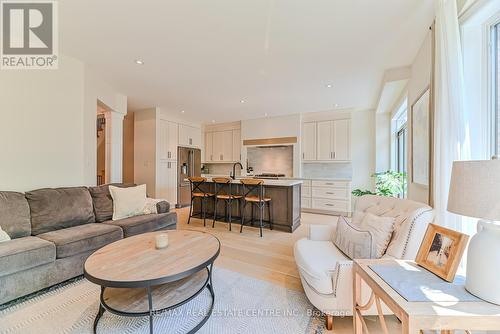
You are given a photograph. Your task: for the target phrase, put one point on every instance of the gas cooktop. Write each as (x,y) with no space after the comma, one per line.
(270,175)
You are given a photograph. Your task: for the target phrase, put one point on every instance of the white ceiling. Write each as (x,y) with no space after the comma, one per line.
(278,55)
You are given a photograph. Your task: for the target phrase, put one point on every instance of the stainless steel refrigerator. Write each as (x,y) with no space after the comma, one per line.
(189,164)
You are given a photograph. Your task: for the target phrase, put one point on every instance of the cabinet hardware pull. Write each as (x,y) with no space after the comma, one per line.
(330,193)
(334,155)
(329,204)
(303,155)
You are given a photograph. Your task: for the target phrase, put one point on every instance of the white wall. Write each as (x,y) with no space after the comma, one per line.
(383,142)
(48,125)
(419,81)
(145,148)
(41,127)
(363,148)
(96,89)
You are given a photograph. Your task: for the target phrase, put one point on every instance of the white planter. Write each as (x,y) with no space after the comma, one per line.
(483,263)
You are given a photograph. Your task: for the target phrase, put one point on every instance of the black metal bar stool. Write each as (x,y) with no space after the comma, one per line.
(196,192)
(223,191)
(253,190)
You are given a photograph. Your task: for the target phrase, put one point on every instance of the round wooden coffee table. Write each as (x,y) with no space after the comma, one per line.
(137,279)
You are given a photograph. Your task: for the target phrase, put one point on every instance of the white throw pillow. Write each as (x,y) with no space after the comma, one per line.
(128,202)
(381,229)
(3,235)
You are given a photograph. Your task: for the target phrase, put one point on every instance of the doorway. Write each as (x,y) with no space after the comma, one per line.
(101,144)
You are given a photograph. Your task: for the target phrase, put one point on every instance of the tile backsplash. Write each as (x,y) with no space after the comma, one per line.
(221,169)
(327,170)
(271,159)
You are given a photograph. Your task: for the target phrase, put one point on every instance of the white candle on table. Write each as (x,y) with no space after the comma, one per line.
(161,240)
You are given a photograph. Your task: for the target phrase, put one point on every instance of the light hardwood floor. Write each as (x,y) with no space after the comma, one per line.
(269,258)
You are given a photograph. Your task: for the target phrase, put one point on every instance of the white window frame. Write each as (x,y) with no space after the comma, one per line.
(400,110)
(476,25)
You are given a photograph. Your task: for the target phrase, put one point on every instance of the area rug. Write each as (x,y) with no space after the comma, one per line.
(242,305)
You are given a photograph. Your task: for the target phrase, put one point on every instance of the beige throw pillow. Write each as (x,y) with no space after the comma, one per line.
(381,229)
(150,206)
(352,241)
(128,202)
(3,235)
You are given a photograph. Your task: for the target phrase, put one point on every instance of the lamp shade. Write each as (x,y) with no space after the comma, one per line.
(475,189)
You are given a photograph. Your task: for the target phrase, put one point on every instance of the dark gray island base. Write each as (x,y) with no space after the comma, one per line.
(285,195)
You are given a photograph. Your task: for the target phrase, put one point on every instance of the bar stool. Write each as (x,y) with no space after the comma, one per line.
(253,190)
(196,192)
(223,191)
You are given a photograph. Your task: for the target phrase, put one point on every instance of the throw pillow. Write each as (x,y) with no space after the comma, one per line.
(150,206)
(3,235)
(381,229)
(352,241)
(128,202)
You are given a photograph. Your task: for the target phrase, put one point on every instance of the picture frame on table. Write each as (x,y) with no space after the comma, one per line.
(441,251)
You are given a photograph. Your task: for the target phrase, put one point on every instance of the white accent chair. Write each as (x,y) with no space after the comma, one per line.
(326,273)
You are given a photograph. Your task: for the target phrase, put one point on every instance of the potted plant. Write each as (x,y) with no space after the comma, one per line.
(389,183)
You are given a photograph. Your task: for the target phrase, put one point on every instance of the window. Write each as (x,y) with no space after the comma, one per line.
(401,135)
(400,139)
(495,85)
(401,150)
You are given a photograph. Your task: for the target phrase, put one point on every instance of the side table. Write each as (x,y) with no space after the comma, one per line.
(417,316)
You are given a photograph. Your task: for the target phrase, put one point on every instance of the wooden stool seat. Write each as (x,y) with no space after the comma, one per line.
(203,194)
(223,196)
(256,199)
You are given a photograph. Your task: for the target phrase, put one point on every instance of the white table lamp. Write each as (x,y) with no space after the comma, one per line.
(475,192)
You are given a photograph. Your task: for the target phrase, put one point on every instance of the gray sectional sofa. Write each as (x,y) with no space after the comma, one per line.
(53,231)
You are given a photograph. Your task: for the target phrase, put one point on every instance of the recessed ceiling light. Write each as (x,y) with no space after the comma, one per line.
(213,121)
(329,86)
(139,62)
(182,111)
(242,101)
(336,105)
(265,114)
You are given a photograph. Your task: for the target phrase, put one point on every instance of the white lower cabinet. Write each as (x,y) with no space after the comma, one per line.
(329,205)
(306,203)
(326,196)
(167,182)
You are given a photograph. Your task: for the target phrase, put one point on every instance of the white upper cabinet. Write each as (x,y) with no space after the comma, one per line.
(342,140)
(167,140)
(324,144)
(222,148)
(326,140)
(222,143)
(189,136)
(236,145)
(209,143)
(309,141)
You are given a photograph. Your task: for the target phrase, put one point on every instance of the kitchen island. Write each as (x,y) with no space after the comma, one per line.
(286,205)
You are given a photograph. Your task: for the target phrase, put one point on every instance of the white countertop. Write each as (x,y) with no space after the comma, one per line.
(269,182)
(287,178)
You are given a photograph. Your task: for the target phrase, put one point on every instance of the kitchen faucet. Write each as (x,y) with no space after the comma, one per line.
(233,176)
